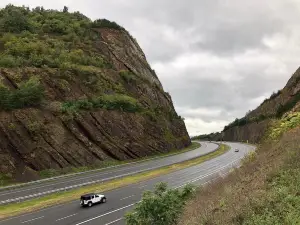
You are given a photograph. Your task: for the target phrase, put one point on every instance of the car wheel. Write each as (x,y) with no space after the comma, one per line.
(90,204)
(103,200)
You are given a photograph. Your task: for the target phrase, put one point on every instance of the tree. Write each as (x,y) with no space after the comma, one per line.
(14,20)
(66,9)
(161,207)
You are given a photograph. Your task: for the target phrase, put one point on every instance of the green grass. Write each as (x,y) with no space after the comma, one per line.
(53,199)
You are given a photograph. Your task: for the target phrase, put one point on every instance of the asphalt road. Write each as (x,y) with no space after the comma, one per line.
(121,200)
(46,187)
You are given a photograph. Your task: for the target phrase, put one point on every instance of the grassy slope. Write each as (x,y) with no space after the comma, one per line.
(54,199)
(265,190)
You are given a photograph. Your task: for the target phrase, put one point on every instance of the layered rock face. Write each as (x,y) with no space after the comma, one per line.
(89,111)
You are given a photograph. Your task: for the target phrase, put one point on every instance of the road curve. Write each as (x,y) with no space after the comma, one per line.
(47,187)
(119,201)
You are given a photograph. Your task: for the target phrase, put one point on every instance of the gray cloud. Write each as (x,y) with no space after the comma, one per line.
(218,59)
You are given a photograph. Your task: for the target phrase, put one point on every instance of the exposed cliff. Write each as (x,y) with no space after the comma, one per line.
(253,126)
(75,92)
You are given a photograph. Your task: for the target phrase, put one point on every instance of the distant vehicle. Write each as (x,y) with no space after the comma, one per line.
(92,199)
(236,150)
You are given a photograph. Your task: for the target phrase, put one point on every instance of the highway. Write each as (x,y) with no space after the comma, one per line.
(121,200)
(46,187)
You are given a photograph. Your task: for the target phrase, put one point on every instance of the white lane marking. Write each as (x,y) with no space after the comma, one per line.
(86,183)
(127,197)
(113,221)
(94,218)
(214,172)
(190,181)
(60,205)
(66,217)
(26,221)
(80,173)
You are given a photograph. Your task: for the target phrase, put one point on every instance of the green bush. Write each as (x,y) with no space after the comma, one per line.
(104,23)
(285,124)
(8,61)
(163,206)
(151,115)
(127,76)
(118,101)
(30,93)
(14,19)
(109,102)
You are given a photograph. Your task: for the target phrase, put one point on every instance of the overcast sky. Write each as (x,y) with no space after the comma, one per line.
(217,58)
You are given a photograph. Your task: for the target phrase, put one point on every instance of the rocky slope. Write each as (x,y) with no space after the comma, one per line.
(253,126)
(76,92)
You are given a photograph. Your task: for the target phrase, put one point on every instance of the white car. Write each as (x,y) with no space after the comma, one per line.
(236,150)
(91,199)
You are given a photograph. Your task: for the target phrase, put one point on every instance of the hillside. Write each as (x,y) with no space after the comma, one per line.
(253,126)
(76,92)
(265,189)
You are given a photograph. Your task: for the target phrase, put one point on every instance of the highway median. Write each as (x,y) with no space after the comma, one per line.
(67,196)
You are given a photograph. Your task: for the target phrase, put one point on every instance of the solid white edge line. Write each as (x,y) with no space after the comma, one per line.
(26,221)
(66,217)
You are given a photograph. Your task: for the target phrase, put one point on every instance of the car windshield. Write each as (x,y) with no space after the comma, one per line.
(85,197)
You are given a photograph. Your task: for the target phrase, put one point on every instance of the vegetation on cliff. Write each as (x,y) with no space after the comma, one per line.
(74,92)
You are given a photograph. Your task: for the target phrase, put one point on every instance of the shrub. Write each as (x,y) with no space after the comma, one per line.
(118,101)
(127,76)
(8,61)
(163,206)
(285,124)
(109,102)
(30,93)
(104,23)
(151,115)
(14,19)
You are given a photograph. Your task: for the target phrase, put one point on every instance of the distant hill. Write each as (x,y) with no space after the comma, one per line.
(253,126)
